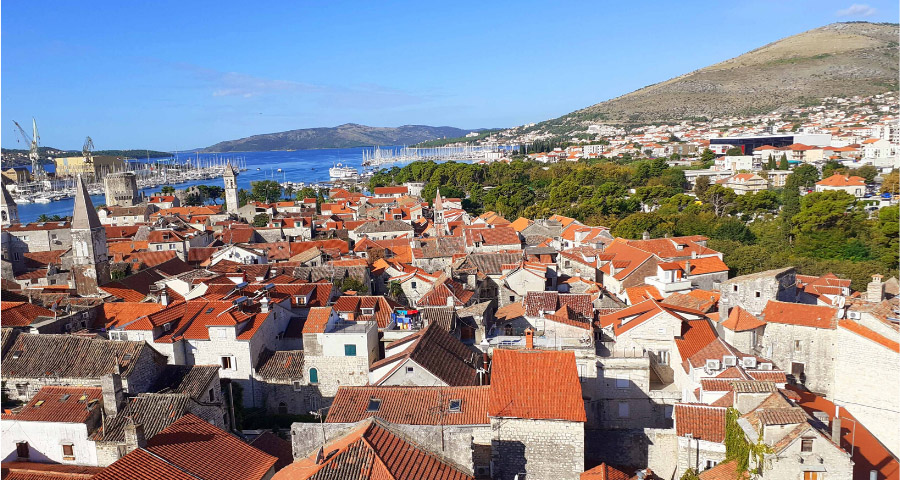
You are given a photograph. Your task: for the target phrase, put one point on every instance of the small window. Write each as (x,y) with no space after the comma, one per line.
(413,284)
(22,450)
(798,346)
(734,287)
(623,410)
(21,389)
(298,385)
(349,350)
(212,395)
(410,369)
(68,452)
(757,294)
(512,298)
(121,450)
(455,405)
(374,405)
(711,464)
(806,445)
(227,363)
(313,376)
(622,383)
(159,247)
(65,397)
(282,408)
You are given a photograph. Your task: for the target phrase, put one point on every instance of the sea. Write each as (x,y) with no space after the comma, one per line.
(307,166)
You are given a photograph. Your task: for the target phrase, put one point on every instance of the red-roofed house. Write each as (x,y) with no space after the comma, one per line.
(801,339)
(537,411)
(701,436)
(852,185)
(191,449)
(53,427)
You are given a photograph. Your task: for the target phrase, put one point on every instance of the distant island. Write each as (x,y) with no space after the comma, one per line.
(343,136)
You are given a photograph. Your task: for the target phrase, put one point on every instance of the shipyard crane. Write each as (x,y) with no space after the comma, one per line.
(34,141)
(86,151)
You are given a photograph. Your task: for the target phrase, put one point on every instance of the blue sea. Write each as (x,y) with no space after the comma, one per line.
(298,166)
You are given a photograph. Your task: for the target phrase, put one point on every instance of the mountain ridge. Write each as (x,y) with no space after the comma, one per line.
(839,59)
(342,136)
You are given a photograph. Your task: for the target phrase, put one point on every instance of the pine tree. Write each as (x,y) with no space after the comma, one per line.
(783,164)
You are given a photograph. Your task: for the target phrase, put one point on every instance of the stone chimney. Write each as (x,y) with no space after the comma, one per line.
(875,289)
(264,305)
(113,396)
(164,297)
(529,339)
(836,426)
(645,235)
(687,268)
(134,436)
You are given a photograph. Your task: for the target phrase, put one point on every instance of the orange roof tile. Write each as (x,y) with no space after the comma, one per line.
(701,421)
(800,314)
(521,387)
(740,320)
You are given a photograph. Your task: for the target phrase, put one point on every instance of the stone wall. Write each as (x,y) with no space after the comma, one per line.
(698,454)
(816,353)
(861,370)
(542,449)
(825,458)
(743,291)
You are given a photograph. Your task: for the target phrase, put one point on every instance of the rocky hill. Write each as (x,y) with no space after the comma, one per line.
(342,136)
(841,59)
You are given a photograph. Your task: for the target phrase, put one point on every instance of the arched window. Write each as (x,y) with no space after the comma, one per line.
(282,408)
(313,375)
(508,329)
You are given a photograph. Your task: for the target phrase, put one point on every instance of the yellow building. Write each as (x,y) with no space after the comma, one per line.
(102,165)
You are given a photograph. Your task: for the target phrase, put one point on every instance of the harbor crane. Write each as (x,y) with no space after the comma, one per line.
(86,151)
(37,169)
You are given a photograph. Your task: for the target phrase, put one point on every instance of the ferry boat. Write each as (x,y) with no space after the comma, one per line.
(341,172)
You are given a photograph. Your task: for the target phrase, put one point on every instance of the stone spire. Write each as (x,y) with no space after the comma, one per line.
(85,215)
(438,202)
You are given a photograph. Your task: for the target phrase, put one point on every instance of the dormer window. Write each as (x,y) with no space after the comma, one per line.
(374,405)
(455,406)
(368,311)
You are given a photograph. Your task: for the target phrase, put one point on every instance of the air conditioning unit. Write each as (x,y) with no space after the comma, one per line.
(729,360)
(765,366)
(748,362)
(712,365)
(853,315)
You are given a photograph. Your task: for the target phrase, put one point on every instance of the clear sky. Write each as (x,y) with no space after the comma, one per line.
(187,74)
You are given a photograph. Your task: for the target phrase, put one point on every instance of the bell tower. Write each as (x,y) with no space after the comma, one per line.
(90,253)
(231,195)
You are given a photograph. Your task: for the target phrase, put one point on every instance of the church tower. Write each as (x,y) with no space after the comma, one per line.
(231,194)
(439,224)
(90,254)
(9,212)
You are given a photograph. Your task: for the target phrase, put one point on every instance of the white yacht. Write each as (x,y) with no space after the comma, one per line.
(341,172)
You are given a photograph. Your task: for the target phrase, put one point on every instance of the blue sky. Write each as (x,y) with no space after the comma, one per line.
(187,74)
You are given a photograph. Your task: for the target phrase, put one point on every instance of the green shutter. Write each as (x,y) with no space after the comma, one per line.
(313,375)
(349,350)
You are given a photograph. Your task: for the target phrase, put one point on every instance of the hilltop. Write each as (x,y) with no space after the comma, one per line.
(841,59)
(342,136)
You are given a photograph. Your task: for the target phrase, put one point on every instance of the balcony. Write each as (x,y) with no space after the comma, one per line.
(351,327)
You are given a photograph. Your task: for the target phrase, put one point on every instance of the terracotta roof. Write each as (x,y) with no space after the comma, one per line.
(382,307)
(284,366)
(669,247)
(22,314)
(695,335)
(317,319)
(869,334)
(154,411)
(372,451)
(47,471)
(701,421)
(114,314)
(580,303)
(740,320)
(68,356)
(800,314)
(441,354)
(841,180)
(44,259)
(725,471)
(412,405)
(626,259)
(604,472)
(492,236)
(59,404)
(642,292)
(190,380)
(522,386)
(868,453)
(190,448)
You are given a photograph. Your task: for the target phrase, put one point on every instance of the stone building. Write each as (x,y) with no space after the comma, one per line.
(33,361)
(9,212)
(701,436)
(91,257)
(537,415)
(800,339)
(752,292)
(121,190)
(231,191)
